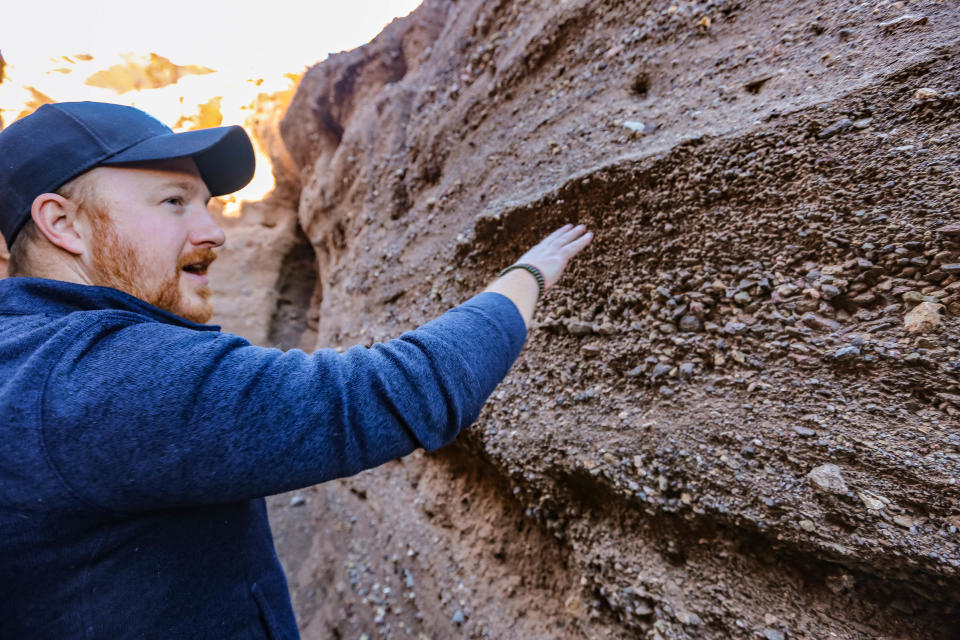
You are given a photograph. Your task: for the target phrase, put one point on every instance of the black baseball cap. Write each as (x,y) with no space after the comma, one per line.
(56,143)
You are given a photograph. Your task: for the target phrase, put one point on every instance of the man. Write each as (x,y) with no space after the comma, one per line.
(137,444)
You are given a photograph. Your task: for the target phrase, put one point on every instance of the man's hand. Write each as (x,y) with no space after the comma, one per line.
(554,251)
(550,257)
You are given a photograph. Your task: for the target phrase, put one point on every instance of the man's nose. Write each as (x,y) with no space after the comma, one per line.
(206,232)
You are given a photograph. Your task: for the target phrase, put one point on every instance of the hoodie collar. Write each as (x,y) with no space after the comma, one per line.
(28,296)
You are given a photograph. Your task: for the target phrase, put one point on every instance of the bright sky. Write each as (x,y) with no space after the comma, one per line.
(262,35)
(251,46)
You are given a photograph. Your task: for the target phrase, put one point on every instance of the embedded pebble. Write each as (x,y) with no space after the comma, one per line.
(838,127)
(873,503)
(923,318)
(848,352)
(906,20)
(829,478)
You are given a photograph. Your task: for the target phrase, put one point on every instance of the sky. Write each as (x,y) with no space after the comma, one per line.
(52,47)
(261,35)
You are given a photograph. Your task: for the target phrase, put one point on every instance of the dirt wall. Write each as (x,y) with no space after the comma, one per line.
(737,415)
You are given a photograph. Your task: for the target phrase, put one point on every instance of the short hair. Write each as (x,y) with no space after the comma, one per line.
(82,193)
(19,261)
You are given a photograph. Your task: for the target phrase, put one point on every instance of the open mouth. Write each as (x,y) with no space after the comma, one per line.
(198,268)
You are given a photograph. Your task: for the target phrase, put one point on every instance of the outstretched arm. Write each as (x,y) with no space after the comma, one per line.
(141,415)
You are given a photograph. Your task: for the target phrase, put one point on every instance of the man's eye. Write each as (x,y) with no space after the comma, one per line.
(176,200)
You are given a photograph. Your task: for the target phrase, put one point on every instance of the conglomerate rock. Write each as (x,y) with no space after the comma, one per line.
(772,186)
(721,426)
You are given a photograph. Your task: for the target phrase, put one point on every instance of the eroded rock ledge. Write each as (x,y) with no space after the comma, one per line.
(738,414)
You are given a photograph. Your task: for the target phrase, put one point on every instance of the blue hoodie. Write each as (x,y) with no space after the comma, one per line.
(136,448)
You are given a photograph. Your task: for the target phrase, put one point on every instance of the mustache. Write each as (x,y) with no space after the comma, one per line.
(198,255)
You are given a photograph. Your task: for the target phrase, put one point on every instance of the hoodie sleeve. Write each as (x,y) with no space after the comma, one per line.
(144,415)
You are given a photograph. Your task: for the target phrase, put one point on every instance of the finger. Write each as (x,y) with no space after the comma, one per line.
(577,245)
(558,232)
(572,234)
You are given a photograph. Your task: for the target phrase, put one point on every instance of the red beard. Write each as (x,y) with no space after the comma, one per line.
(116,264)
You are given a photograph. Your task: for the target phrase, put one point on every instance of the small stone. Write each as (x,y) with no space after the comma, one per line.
(873,503)
(804,431)
(914,359)
(642,608)
(692,619)
(585,396)
(635,372)
(923,318)
(574,606)
(660,370)
(846,353)
(690,324)
(913,296)
(580,328)
(904,521)
(926,93)
(786,290)
(838,127)
(297,500)
(862,123)
(686,369)
(807,525)
(828,478)
(819,323)
(772,634)
(634,126)
(590,350)
(734,328)
(459,617)
(952,229)
(666,391)
(906,20)
(741,297)
(840,582)
(607,329)
(829,291)
(950,268)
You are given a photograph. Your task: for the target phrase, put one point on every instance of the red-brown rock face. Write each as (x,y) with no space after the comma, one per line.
(766,181)
(721,426)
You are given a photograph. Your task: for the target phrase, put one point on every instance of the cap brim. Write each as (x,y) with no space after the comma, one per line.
(224,155)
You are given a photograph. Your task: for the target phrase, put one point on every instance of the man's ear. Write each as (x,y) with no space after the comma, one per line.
(56,218)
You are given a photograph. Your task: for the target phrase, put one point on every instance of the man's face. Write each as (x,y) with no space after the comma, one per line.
(152,235)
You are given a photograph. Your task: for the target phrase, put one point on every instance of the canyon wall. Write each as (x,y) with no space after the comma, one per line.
(737,414)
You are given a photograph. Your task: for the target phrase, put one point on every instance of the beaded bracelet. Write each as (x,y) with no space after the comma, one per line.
(541,284)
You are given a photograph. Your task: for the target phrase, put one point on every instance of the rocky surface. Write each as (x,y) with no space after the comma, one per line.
(737,415)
